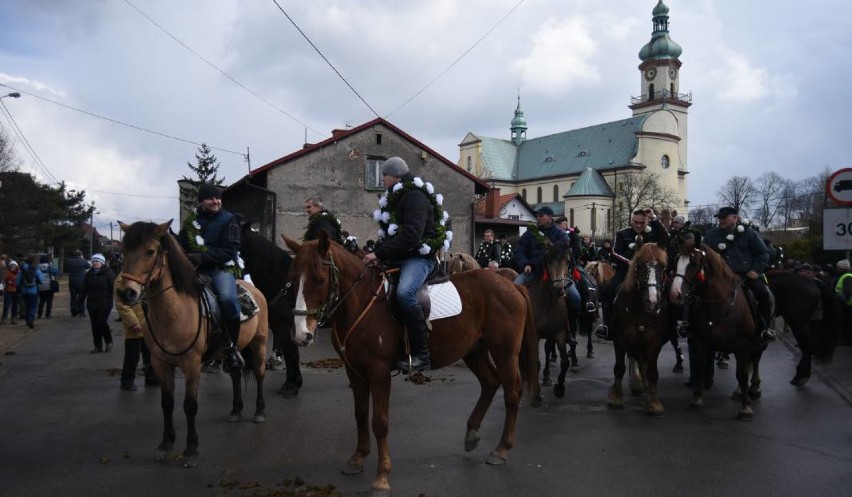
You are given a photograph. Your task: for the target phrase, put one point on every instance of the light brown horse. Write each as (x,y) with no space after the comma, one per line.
(157,272)
(460,263)
(638,324)
(493,333)
(720,319)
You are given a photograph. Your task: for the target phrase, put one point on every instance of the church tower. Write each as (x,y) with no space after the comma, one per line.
(519,125)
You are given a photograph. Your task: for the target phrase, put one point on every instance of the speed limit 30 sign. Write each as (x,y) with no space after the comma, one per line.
(837,229)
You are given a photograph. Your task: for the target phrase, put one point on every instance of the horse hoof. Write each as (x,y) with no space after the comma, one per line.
(471,441)
(696,405)
(590,355)
(636,393)
(546,382)
(259,418)
(352,469)
(559,390)
(615,406)
(380,492)
(233,418)
(494,460)
(678,368)
(745,415)
(799,382)
(536,401)
(756,394)
(161,456)
(190,462)
(575,368)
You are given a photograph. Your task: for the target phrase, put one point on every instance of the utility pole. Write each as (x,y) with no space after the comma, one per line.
(111,250)
(91,230)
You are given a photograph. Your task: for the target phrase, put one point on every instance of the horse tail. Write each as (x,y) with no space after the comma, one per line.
(248,369)
(827,330)
(529,350)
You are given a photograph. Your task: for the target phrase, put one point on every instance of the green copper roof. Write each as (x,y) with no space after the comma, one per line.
(558,207)
(519,121)
(590,184)
(499,158)
(660,46)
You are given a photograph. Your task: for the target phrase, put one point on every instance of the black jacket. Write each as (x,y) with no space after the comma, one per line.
(488,251)
(221,233)
(529,251)
(98,288)
(745,253)
(321,224)
(416,221)
(622,251)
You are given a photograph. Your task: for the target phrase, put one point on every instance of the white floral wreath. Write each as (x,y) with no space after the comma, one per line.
(388,222)
(196,242)
(741,227)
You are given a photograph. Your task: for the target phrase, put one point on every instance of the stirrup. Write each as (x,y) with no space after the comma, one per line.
(768,335)
(602,332)
(591,307)
(682,328)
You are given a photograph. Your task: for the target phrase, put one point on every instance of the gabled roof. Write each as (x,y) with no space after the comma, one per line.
(603,146)
(480,185)
(590,184)
(504,201)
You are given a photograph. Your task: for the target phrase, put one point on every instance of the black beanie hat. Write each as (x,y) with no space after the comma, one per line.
(208,190)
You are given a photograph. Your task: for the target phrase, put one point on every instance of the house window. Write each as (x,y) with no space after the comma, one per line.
(556,193)
(524,193)
(378,138)
(373,173)
(665,162)
(515,217)
(538,195)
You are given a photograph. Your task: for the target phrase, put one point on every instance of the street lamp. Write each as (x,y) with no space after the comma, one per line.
(14,94)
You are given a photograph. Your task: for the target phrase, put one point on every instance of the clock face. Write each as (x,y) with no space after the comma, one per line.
(673,73)
(650,73)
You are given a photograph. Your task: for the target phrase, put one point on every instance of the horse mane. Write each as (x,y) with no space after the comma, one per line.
(558,250)
(462,262)
(184,279)
(647,253)
(717,265)
(261,254)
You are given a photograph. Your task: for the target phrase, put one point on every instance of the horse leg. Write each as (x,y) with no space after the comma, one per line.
(652,374)
(479,364)
(259,351)
(803,368)
(166,375)
(636,379)
(237,402)
(743,367)
(192,375)
(550,350)
(587,323)
(293,381)
(574,325)
(509,377)
(698,357)
(754,389)
(545,367)
(361,395)
(564,363)
(616,394)
(380,390)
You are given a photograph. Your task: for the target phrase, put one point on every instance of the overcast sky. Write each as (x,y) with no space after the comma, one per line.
(770,82)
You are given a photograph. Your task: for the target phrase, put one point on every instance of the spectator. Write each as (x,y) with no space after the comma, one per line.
(76,268)
(133,321)
(28,280)
(605,252)
(489,250)
(10,292)
(47,288)
(97,293)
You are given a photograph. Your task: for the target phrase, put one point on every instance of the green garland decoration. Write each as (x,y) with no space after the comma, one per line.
(192,230)
(322,215)
(386,214)
(537,234)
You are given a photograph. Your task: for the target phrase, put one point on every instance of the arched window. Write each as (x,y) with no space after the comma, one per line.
(664,162)
(469,162)
(556,193)
(524,193)
(651,91)
(538,195)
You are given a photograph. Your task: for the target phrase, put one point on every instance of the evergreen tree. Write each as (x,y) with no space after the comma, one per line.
(205,170)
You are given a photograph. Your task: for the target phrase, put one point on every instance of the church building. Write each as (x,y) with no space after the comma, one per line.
(586,174)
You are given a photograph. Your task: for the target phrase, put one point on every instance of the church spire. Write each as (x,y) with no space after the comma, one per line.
(519,124)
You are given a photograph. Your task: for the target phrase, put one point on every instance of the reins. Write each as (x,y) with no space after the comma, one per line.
(690,295)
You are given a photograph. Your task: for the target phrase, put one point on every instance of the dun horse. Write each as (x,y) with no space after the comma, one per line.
(493,334)
(178,335)
(638,324)
(720,319)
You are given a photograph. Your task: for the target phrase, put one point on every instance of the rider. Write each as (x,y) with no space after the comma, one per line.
(587,250)
(489,250)
(212,243)
(644,224)
(414,214)
(506,253)
(320,218)
(746,254)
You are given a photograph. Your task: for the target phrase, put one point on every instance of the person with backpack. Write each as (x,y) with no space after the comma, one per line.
(10,291)
(48,288)
(28,280)
(98,287)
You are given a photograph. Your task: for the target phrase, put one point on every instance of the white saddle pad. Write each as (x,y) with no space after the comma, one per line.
(445,301)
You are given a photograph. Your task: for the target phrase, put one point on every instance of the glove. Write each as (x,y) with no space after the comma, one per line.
(195,258)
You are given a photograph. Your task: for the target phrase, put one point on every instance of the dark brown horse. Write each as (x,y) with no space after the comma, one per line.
(494,335)
(809,307)
(720,319)
(177,333)
(639,323)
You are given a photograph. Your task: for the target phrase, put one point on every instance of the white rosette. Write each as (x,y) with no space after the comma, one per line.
(385,217)
(740,228)
(377,215)
(196,225)
(392,229)
(722,246)
(383,200)
(430,188)
(417,182)
(199,240)
(730,237)
(446,245)
(439,199)
(241,262)
(632,246)
(381,233)
(397,187)
(745,221)
(647,229)
(425,249)
(449,236)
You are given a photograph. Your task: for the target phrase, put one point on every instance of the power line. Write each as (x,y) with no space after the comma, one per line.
(436,78)
(116,121)
(29,148)
(324,57)
(134,194)
(223,73)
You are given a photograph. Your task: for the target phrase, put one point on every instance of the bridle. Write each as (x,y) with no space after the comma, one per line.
(690,297)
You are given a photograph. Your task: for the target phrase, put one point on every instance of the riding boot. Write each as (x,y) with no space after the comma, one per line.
(574,323)
(602,331)
(678,367)
(415,321)
(233,361)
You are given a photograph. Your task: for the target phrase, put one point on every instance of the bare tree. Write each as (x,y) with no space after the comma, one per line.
(738,192)
(701,218)
(640,190)
(8,160)
(789,203)
(769,191)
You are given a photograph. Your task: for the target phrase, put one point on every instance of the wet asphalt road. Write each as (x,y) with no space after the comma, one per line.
(67,430)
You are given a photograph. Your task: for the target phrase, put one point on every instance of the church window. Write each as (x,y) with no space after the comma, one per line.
(571,217)
(651,91)
(538,195)
(524,193)
(664,162)
(469,163)
(556,193)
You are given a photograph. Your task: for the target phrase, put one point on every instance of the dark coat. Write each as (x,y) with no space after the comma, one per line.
(488,251)
(416,220)
(221,233)
(529,251)
(321,224)
(623,253)
(745,253)
(76,268)
(98,289)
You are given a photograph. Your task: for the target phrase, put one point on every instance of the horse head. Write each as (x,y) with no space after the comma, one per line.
(144,259)
(557,267)
(690,269)
(314,272)
(648,270)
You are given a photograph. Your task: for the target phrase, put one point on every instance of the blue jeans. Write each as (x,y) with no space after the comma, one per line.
(572,295)
(412,275)
(30,305)
(225,287)
(10,301)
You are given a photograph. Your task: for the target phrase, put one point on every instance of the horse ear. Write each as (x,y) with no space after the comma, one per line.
(163,228)
(291,244)
(124,227)
(323,243)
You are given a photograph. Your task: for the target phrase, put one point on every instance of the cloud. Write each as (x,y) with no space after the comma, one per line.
(560,57)
(35,85)
(742,82)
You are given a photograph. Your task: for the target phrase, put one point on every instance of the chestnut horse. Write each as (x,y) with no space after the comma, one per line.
(494,335)
(720,319)
(157,272)
(639,324)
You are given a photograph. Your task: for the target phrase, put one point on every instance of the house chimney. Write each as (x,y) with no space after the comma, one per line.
(492,203)
(337,132)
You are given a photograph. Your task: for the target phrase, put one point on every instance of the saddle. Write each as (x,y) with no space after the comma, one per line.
(213,311)
(754,305)
(437,290)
